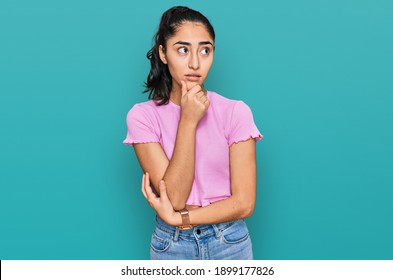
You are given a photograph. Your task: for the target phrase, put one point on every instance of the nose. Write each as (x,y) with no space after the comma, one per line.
(193,62)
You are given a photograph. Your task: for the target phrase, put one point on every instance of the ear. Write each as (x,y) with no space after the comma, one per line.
(162,54)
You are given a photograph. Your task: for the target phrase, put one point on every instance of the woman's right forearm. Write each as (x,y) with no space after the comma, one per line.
(179,175)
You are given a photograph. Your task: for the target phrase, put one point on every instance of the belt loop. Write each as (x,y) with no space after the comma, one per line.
(216,230)
(176,236)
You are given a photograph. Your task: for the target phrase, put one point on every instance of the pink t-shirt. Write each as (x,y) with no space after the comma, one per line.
(225,122)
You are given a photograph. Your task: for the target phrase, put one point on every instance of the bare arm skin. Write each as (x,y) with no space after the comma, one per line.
(153,160)
(178,173)
(239,205)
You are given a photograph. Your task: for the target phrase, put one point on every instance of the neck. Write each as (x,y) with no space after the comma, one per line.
(175,95)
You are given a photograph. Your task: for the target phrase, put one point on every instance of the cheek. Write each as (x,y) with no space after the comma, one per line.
(174,71)
(176,66)
(207,65)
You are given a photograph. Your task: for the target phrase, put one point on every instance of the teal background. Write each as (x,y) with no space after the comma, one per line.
(317,75)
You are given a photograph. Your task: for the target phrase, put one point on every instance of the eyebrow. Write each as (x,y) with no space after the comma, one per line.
(189,44)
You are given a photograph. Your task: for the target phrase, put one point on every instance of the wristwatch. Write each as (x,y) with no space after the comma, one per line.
(185,219)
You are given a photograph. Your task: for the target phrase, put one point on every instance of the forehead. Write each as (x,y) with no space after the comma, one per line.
(192,32)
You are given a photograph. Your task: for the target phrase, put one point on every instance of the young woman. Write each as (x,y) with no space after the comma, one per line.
(196,147)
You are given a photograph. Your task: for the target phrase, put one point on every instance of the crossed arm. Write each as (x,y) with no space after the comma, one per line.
(243,185)
(178,173)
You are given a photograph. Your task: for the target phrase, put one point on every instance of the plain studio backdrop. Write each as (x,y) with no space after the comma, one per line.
(316,74)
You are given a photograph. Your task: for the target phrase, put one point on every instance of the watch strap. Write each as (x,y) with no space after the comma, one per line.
(186,224)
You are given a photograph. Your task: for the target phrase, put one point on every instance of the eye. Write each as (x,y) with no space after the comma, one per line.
(182,50)
(205,51)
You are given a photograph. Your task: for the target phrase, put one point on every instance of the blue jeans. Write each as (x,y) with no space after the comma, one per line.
(224,241)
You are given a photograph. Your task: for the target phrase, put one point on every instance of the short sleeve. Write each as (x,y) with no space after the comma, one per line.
(141,128)
(242,126)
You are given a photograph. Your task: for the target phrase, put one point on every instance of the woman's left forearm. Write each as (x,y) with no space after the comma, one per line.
(232,208)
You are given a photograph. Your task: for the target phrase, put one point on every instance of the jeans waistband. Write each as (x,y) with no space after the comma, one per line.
(198,231)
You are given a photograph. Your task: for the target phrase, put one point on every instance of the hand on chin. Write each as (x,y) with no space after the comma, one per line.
(191,84)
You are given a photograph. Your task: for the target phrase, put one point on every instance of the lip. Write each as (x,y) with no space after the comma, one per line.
(193,77)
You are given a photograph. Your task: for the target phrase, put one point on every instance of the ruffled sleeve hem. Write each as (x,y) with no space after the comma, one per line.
(132,142)
(257,136)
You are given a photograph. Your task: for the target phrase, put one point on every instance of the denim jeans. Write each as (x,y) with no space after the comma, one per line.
(223,241)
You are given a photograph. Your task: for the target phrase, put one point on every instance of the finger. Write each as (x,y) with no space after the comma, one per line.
(183,88)
(203,99)
(162,187)
(199,94)
(202,95)
(195,89)
(147,179)
(204,90)
(143,186)
(148,188)
(151,197)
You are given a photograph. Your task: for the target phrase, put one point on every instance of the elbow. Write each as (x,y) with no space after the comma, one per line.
(178,203)
(175,197)
(177,206)
(247,212)
(247,208)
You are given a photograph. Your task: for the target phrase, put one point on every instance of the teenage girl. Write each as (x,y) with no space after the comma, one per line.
(196,147)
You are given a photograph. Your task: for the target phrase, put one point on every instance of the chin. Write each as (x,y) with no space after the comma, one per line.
(190,84)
